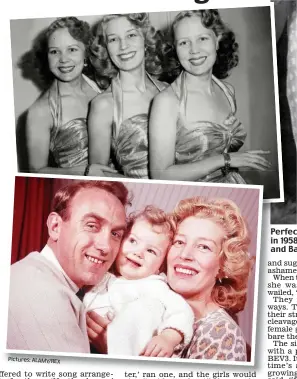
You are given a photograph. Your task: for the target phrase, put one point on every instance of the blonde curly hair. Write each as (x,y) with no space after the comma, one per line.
(100,59)
(230,289)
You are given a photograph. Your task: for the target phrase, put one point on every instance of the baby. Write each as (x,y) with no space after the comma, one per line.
(150,319)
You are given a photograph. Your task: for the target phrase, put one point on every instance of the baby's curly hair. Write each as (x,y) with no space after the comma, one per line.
(160,221)
(156,217)
(227,53)
(100,59)
(78,29)
(230,289)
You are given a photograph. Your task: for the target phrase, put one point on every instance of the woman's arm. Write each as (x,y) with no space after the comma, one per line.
(162,140)
(38,125)
(99,127)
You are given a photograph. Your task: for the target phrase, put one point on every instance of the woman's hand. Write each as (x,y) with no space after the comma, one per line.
(252,159)
(97,330)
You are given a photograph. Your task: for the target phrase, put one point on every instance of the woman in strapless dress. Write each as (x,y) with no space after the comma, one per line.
(56,126)
(126,45)
(194,133)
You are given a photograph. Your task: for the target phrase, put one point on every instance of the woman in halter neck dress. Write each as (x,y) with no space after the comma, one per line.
(56,122)
(194,133)
(127,46)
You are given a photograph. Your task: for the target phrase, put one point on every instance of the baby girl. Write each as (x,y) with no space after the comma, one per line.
(149,318)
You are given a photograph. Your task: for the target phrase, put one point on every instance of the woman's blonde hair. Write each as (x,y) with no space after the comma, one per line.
(100,59)
(230,289)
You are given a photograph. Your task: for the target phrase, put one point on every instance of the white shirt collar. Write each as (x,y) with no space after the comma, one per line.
(48,253)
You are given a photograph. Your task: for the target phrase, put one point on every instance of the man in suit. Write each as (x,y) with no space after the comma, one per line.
(85,229)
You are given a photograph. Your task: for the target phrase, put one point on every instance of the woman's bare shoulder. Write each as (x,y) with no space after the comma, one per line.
(103,100)
(101,110)
(167,96)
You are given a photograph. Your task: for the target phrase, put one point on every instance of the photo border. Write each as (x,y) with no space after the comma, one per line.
(172,360)
(266,3)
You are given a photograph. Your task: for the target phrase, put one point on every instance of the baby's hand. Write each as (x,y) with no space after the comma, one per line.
(163,345)
(159,346)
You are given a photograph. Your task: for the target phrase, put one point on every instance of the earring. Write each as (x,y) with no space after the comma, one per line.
(85,63)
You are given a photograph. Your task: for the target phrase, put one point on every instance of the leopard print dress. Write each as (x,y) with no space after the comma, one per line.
(216,336)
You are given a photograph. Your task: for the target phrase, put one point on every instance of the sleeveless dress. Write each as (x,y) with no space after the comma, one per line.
(69,141)
(129,141)
(202,139)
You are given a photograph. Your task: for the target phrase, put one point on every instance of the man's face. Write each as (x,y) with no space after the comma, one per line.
(88,242)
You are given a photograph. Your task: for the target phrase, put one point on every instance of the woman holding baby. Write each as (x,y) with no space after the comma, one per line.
(208,265)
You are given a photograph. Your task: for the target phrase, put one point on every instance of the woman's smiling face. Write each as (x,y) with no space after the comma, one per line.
(65,55)
(125,44)
(193,260)
(195,45)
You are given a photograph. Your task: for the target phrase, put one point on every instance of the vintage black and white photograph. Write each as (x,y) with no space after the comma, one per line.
(286,37)
(135,270)
(183,96)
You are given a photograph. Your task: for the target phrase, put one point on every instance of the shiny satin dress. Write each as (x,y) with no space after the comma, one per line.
(202,139)
(68,141)
(129,141)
